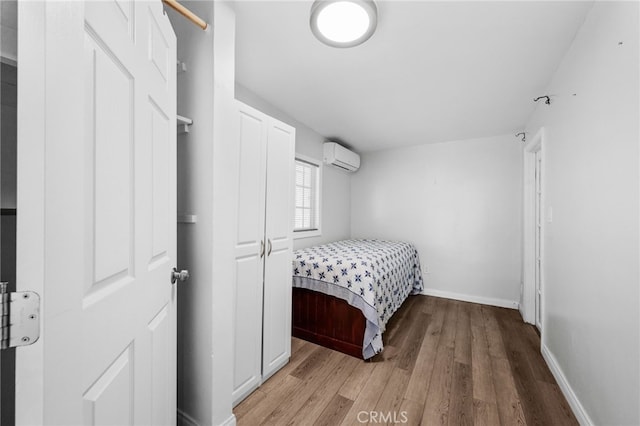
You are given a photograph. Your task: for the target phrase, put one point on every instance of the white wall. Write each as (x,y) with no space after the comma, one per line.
(592,322)
(336,187)
(459,203)
(207,182)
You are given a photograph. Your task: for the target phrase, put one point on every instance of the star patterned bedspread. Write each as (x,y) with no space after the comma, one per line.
(375,276)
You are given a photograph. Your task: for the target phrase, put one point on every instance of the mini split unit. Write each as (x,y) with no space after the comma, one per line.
(339,156)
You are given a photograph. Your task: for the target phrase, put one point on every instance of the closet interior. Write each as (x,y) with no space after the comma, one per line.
(235,205)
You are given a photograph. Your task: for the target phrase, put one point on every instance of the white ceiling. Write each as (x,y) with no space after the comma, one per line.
(432,72)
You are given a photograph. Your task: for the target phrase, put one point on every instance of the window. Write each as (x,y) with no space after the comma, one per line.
(307,215)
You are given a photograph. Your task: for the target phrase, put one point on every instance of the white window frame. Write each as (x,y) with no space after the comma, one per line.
(318,200)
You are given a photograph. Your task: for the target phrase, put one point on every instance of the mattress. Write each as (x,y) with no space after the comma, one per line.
(374,276)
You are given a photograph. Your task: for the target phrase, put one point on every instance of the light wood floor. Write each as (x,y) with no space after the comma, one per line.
(444,362)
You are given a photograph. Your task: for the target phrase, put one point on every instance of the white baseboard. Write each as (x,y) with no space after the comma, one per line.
(231,421)
(577,408)
(186,420)
(502,303)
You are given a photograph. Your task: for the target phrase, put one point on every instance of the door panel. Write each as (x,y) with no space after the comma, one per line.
(280,166)
(109,131)
(247,327)
(161,333)
(249,260)
(109,331)
(279,229)
(161,129)
(277,317)
(159,50)
(251,186)
(109,401)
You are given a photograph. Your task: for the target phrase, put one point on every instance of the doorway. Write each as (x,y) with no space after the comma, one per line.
(537,211)
(533,256)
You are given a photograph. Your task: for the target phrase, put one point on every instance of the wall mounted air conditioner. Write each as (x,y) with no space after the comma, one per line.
(339,156)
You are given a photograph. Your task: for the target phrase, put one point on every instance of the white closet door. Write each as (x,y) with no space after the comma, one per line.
(97,198)
(249,252)
(279,233)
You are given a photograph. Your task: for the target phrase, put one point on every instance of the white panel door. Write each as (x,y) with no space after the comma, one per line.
(538,239)
(279,233)
(97,196)
(249,252)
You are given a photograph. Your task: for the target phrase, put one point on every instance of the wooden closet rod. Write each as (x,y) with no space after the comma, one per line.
(186,13)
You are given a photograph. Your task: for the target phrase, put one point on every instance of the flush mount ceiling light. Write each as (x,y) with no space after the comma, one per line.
(343,23)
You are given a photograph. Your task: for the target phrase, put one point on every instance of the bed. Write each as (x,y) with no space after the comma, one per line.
(345,292)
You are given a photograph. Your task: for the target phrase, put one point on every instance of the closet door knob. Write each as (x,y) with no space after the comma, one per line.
(179,276)
(270,247)
(261,249)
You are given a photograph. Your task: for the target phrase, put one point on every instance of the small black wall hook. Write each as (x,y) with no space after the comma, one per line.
(548,99)
(524,136)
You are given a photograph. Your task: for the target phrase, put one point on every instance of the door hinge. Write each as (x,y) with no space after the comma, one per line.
(20,313)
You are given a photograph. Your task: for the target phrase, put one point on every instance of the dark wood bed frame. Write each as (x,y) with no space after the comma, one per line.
(327,321)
